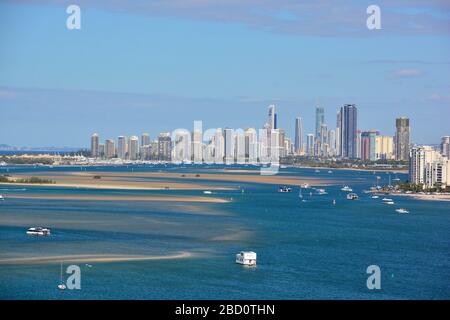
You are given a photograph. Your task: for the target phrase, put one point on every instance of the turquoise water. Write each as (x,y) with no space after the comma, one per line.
(306,250)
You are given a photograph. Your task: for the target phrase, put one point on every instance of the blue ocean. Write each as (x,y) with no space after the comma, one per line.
(308,247)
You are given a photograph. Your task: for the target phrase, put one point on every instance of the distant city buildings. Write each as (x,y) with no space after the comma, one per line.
(429,168)
(445,146)
(348,131)
(402,139)
(94,145)
(298,140)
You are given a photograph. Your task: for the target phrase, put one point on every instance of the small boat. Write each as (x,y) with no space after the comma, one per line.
(247,258)
(352,196)
(317,170)
(284,189)
(387,199)
(305,186)
(321,191)
(334,201)
(207,192)
(402,210)
(346,189)
(38,231)
(329,171)
(375,197)
(300,194)
(389,202)
(61,285)
(2,198)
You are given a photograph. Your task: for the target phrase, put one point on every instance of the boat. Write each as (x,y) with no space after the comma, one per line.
(284,189)
(2,198)
(321,191)
(386,199)
(300,194)
(334,201)
(402,210)
(375,197)
(305,186)
(352,196)
(247,258)
(389,202)
(317,170)
(346,189)
(329,171)
(207,192)
(61,285)
(38,231)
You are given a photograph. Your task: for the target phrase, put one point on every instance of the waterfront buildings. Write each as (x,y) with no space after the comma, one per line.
(368,145)
(445,146)
(429,168)
(110,150)
(310,144)
(122,147)
(384,147)
(298,140)
(164,146)
(133,150)
(145,139)
(320,119)
(402,139)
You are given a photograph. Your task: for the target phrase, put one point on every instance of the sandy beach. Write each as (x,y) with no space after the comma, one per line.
(429,197)
(92,258)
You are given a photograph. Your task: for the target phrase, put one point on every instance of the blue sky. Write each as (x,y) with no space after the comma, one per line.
(152,66)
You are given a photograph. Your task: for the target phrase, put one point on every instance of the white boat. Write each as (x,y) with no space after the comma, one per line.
(375,197)
(284,189)
(402,210)
(329,171)
(247,258)
(321,191)
(317,170)
(389,202)
(352,196)
(1,198)
(386,199)
(305,186)
(207,192)
(38,231)
(346,189)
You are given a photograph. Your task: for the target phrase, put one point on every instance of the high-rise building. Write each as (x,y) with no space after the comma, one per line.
(402,139)
(338,134)
(349,125)
(110,150)
(219,146)
(272,118)
(320,119)
(428,168)
(310,144)
(164,146)
(298,140)
(384,147)
(101,150)
(229,140)
(281,142)
(445,146)
(122,147)
(332,142)
(239,149)
(133,149)
(94,145)
(251,145)
(197,143)
(145,139)
(368,145)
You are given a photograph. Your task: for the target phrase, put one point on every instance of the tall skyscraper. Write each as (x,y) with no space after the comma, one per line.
(272,118)
(310,145)
(368,145)
(320,119)
(338,133)
(402,139)
(133,149)
(332,142)
(445,146)
(145,139)
(110,150)
(251,145)
(164,146)
(298,140)
(229,140)
(122,147)
(94,145)
(219,146)
(349,125)
(384,147)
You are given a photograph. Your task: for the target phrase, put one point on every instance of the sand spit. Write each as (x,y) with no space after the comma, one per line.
(118,198)
(92,258)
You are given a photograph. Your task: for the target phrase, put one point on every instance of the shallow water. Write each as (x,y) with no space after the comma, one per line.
(306,250)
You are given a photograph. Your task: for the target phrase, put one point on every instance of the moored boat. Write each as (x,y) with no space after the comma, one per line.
(38,231)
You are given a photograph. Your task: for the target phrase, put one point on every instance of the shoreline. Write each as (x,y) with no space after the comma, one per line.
(426,197)
(351,169)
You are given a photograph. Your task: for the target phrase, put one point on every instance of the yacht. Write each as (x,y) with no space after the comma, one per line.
(402,210)
(284,189)
(317,170)
(2,198)
(38,231)
(321,191)
(346,189)
(352,196)
(329,171)
(247,258)
(375,197)
(389,202)
(207,192)
(387,199)
(305,186)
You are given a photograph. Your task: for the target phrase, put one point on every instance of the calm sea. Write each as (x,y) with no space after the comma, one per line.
(310,249)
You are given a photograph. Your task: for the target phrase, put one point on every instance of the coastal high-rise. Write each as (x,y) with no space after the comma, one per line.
(402,138)
(133,149)
(164,146)
(338,134)
(298,140)
(94,145)
(251,145)
(428,168)
(368,145)
(349,125)
(384,147)
(145,139)
(320,119)
(122,147)
(229,147)
(110,151)
(272,118)
(445,146)
(310,144)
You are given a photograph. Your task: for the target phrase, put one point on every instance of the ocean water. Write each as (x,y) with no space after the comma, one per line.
(306,250)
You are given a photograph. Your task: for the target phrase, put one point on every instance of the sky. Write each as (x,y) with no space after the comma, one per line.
(153,66)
